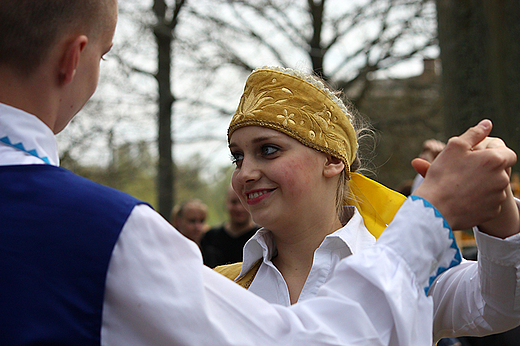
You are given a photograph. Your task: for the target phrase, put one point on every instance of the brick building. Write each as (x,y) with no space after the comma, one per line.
(404,113)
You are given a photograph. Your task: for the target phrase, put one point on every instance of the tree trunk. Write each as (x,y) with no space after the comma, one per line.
(165,174)
(316,52)
(481,74)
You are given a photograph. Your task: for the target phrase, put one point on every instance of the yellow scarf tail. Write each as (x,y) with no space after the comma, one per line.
(376,203)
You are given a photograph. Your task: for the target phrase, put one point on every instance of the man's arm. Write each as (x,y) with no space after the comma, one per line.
(479,299)
(158,292)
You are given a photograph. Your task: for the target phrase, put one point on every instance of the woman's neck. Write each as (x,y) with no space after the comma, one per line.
(296,249)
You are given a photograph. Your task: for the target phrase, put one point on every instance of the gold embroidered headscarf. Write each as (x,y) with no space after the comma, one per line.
(302,107)
(307,112)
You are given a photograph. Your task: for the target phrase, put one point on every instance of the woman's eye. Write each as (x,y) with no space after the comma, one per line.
(236,158)
(269,149)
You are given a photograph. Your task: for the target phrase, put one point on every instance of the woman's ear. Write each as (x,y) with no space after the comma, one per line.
(70,59)
(333,166)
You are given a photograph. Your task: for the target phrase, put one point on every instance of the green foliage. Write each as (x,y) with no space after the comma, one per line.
(132,169)
(189,184)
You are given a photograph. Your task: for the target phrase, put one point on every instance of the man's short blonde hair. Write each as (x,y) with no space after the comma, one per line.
(30,28)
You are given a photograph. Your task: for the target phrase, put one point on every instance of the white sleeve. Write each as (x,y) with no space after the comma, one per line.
(480,298)
(158,292)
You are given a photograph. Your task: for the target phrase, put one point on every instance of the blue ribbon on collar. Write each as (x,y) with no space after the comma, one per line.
(21,147)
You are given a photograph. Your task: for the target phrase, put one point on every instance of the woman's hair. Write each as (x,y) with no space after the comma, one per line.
(178,211)
(365,139)
(366,145)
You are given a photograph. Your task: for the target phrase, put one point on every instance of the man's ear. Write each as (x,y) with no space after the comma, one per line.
(333,166)
(70,58)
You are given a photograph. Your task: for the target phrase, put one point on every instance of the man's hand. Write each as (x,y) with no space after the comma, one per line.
(507,222)
(469,180)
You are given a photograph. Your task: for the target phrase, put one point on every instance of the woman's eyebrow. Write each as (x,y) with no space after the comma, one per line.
(255,140)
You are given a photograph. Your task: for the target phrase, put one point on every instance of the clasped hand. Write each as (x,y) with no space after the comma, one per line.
(469,182)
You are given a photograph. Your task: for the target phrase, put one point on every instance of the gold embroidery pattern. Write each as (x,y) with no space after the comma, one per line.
(251,104)
(286,118)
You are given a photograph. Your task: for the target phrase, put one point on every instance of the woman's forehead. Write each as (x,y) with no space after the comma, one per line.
(256,134)
(254,130)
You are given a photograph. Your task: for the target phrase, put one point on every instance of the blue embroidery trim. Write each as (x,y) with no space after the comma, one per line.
(457,258)
(20,146)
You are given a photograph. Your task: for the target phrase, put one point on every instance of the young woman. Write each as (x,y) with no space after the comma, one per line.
(295,150)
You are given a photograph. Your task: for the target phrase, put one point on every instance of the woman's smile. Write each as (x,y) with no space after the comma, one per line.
(256,196)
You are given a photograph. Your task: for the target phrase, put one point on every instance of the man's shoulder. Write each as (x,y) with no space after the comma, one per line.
(60,182)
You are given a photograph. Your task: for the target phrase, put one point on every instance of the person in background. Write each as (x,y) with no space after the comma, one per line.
(431,148)
(83,264)
(405,187)
(223,244)
(295,148)
(189,218)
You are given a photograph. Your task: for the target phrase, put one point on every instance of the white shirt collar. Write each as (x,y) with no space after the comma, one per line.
(349,239)
(25,139)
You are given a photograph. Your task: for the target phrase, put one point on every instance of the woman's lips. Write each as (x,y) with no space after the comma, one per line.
(256,196)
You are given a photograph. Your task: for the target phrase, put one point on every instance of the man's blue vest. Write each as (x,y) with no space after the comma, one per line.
(57,234)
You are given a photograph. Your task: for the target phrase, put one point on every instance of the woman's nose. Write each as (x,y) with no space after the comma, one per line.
(249,171)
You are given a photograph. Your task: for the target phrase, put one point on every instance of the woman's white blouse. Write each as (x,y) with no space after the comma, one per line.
(469,299)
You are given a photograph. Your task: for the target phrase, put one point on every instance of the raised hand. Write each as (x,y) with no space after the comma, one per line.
(468,182)
(507,222)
